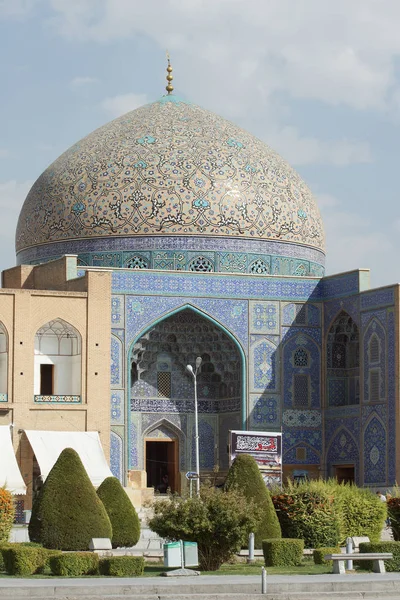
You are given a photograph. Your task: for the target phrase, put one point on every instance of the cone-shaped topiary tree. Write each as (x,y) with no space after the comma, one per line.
(122,514)
(245,476)
(67,513)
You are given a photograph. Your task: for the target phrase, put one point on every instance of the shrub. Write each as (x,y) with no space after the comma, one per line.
(393,547)
(122,566)
(361,512)
(218,521)
(7,512)
(67,513)
(319,553)
(393,505)
(24,560)
(74,564)
(284,552)
(245,476)
(3,546)
(121,512)
(308,513)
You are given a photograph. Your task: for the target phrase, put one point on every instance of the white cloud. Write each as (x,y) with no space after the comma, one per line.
(12,196)
(119,105)
(354,241)
(16,8)
(82,81)
(4,153)
(299,150)
(336,52)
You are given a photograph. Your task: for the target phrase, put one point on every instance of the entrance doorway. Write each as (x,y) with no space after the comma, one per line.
(344,473)
(162,465)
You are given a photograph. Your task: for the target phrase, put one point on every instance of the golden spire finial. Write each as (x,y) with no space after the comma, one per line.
(169,87)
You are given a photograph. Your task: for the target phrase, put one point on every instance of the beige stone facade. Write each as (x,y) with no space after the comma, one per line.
(31,297)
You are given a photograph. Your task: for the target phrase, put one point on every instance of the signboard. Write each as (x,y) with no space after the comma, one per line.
(265,447)
(192,475)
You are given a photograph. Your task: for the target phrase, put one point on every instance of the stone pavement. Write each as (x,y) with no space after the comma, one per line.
(207,587)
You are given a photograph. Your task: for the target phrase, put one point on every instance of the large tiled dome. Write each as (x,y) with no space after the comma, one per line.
(169,171)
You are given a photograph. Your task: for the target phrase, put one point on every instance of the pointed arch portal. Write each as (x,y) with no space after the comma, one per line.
(161,390)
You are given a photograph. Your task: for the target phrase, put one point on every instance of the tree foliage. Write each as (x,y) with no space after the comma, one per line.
(7,512)
(218,521)
(244,475)
(121,512)
(67,513)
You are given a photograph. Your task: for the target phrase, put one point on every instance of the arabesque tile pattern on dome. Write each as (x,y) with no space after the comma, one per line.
(169,168)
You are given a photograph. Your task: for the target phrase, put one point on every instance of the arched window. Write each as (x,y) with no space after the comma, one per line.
(201,264)
(300,358)
(342,360)
(136,262)
(58,358)
(259,267)
(3,363)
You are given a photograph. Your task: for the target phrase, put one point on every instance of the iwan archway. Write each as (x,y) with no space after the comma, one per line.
(161,389)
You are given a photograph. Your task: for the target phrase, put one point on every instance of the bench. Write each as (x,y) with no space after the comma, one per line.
(377,558)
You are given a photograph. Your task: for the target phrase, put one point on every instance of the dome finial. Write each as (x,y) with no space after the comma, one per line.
(169,86)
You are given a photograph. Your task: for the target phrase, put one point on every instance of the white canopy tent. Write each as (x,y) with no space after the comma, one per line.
(10,475)
(48,445)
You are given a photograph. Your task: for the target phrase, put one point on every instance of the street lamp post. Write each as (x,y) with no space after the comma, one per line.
(194,372)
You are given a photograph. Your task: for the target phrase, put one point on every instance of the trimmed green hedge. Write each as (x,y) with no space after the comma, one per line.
(393,547)
(122,566)
(121,512)
(245,476)
(3,546)
(67,513)
(319,553)
(24,560)
(74,564)
(283,552)
(393,505)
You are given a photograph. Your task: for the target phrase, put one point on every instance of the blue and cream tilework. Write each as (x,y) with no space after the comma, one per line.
(375,329)
(207,443)
(309,438)
(264,412)
(117,407)
(116,362)
(298,339)
(375,451)
(343,449)
(264,317)
(116,456)
(142,312)
(391,387)
(117,311)
(264,365)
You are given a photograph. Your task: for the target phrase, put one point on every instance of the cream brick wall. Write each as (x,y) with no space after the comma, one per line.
(22,312)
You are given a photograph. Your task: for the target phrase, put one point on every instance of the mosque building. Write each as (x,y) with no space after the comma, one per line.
(171,234)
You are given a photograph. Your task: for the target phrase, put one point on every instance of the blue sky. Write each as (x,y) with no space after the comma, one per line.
(317,80)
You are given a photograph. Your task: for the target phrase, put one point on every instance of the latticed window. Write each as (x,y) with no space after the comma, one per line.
(301,453)
(259,267)
(374,381)
(300,358)
(136,262)
(343,348)
(301,391)
(201,264)
(164,384)
(374,350)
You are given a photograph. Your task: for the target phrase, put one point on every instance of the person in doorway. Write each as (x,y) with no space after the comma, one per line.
(163,486)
